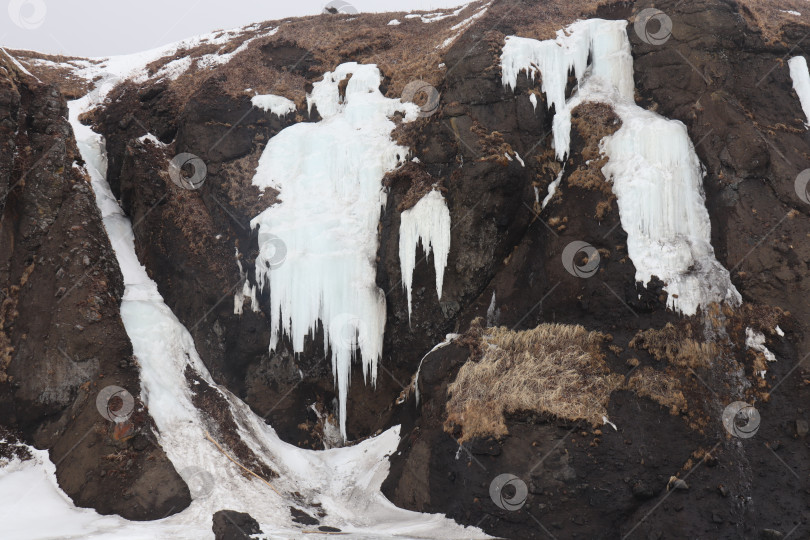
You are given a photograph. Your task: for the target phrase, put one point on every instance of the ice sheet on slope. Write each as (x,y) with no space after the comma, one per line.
(655,173)
(801,83)
(346,481)
(329,175)
(428,223)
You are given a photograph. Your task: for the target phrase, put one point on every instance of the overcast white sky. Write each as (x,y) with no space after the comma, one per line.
(109,27)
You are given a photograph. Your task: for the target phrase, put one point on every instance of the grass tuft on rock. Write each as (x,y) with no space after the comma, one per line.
(553,369)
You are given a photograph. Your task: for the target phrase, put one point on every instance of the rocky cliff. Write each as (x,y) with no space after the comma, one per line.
(606,406)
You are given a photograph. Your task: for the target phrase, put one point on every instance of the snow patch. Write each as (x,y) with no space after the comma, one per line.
(756,341)
(428,223)
(435,16)
(394,22)
(463,25)
(278,105)
(801,83)
(18,64)
(152,139)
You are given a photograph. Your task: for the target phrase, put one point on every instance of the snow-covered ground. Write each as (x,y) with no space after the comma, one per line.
(655,173)
(344,481)
(133,66)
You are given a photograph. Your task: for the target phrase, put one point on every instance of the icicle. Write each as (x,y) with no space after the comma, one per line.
(427,222)
(604,41)
(493,313)
(801,83)
(318,246)
(552,187)
(656,175)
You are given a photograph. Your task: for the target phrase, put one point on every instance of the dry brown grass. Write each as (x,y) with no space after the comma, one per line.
(659,387)
(553,369)
(676,346)
(771,17)
(593,122)
(421,183)
(493,146)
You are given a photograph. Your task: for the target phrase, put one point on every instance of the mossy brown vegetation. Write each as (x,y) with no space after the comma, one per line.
(554,369)
(593,122)
(675,346)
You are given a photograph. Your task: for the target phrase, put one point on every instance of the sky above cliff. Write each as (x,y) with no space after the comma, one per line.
(103,28)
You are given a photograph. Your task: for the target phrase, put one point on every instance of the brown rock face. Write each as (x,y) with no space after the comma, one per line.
(61,336)
(669,469)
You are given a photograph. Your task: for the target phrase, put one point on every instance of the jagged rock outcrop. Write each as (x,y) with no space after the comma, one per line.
(668,468)
(61,336)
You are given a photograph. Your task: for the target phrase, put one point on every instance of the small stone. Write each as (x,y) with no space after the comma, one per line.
(642,491)
(802,427)
(723,490)
(676,483)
